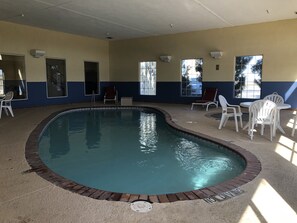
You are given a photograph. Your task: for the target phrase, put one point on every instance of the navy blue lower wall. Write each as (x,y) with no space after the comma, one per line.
(167,92)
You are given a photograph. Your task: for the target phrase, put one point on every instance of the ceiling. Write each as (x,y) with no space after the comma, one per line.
(126,19)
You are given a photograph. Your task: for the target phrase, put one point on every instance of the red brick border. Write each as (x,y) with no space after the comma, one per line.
(253,168)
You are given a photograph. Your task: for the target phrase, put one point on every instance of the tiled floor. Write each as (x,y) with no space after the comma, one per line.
(270,197)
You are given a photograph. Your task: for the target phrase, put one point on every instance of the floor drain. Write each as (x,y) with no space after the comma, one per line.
(141,206)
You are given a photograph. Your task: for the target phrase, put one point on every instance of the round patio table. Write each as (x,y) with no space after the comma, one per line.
(279,107)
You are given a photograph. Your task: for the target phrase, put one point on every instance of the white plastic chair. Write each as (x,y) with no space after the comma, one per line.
(294,124)
(262,112)
(228,111)
(6,103)
(275,97)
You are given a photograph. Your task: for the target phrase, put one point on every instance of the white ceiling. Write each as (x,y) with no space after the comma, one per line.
(125,19)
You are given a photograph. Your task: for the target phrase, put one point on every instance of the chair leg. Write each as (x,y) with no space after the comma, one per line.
(222,121)
(10,109)
(0,111)
(240,119)
(271,131)
(236,124)
(226,120)
(251,130)
(6,112)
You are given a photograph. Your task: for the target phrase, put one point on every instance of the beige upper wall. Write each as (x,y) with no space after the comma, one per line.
(20,39)
(275,40)
(118,60)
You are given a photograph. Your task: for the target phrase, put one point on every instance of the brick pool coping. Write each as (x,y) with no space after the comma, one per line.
(253,166)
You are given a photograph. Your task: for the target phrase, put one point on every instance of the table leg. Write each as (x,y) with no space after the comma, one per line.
(278,126)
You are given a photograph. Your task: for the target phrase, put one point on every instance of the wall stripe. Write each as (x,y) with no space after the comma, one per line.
(167,92)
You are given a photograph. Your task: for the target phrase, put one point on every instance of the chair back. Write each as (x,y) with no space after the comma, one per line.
(210,94)
(263,112)
(223,102)
(8,96)
(275,97)
(110,92)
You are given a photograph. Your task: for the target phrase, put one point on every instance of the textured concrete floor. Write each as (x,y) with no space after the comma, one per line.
(270,197)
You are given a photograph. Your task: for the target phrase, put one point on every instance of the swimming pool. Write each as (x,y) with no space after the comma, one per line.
(133,150)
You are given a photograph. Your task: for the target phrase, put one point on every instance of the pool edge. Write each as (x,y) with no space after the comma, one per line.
(253,167)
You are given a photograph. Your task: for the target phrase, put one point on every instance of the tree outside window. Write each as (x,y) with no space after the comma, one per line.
(248,77)
(191,72)
(147,74)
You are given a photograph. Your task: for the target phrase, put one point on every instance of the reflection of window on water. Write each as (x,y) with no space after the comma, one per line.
(147,74)
(191,71)
(148,133)
(248,77)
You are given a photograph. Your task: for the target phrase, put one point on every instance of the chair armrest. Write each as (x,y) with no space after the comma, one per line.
(235,106)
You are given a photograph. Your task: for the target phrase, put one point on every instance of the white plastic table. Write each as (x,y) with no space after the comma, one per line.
(279,107)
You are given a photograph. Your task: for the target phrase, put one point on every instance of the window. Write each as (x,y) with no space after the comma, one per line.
(191,72)
(248,77)
(13,76)
(147,73)
(91,78)
(56,77)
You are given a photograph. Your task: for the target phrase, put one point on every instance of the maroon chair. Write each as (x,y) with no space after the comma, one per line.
(110,94)
(208,98)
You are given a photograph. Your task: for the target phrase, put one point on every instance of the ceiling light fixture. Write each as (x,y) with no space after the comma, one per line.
(0,57)
(108,36)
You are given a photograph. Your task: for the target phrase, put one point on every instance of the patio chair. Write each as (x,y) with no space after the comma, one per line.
(208,98)
(110,94)
(228,111)
(275,97)
(262,112)
(6,103)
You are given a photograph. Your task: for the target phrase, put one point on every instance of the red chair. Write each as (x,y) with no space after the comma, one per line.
(110,94)
(208,98)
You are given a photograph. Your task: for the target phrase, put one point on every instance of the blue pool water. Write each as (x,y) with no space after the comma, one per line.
(133,151)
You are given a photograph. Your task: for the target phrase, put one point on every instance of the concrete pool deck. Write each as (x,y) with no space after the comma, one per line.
(270,197)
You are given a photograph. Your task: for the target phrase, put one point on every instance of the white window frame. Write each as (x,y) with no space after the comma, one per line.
(147,77)
(248,77)
(191,77)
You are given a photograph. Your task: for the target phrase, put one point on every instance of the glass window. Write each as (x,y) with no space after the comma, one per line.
(191,72)
(91,78)
(56,77)
(248,77)
(147,73)
(13,76)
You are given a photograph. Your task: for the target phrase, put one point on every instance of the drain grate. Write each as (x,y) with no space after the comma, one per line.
(141,206)
(224,196)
